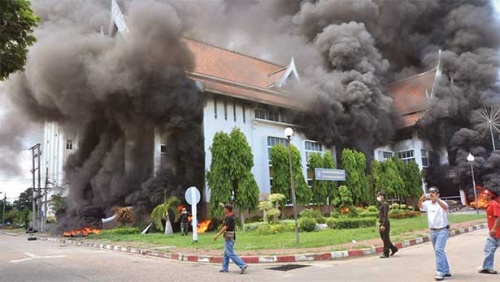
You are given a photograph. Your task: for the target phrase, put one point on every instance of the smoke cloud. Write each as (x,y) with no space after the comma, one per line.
(346,51)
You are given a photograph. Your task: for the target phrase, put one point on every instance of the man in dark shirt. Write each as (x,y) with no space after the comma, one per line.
(184,219)
(385,226)
(229,236)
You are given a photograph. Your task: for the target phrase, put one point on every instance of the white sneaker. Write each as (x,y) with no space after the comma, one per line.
(439,277)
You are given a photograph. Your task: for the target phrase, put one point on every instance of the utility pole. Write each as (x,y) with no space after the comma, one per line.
(44,218)
(3,212)
(35,152)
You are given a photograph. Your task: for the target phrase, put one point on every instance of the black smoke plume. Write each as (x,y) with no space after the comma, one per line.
(346,51)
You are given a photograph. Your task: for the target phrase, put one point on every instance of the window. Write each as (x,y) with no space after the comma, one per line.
(234,110)
(406,156)
(244,118)
(69,144)
(260,113)
(312,147)
(225,110)
(425,158)
(387,155)
(273,141)
(215,108)
(276,115)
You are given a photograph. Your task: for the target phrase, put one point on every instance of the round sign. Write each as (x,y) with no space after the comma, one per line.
(192,195)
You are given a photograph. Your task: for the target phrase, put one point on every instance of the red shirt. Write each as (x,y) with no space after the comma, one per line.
(492,213)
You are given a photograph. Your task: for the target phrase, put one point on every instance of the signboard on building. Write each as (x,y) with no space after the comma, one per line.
(329,174)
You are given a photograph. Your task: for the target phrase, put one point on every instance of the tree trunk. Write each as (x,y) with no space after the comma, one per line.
(168,227)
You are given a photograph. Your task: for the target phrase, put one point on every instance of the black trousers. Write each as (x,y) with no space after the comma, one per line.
(388,246)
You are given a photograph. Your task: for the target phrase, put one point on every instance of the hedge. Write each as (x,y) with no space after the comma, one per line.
(350,223)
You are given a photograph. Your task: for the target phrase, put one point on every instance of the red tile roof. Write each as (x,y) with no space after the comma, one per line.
(410,96)
(232,74)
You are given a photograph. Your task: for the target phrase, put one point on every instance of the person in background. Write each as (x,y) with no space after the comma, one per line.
(184,220)
(229,237)
(493,240)
(437,219)
(385,226)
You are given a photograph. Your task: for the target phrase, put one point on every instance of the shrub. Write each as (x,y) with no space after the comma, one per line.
(395,206)
(349,223)
(403,206)
(321,220)
(253,226)
(268,229)
(307,224)
(310,213)
(372,209)
(123,231)
(368,214)
(404,214)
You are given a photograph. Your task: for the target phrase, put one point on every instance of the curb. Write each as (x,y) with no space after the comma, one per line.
(354,253)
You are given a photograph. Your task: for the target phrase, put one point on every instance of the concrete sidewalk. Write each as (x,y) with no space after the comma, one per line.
(286,258)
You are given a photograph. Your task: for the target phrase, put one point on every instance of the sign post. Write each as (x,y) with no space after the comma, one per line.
(193,197)
(329,174)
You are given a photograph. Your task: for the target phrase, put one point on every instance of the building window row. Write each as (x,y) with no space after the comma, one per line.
(225,105)
(425,158)
(312,147)
(272,115)
(407,156)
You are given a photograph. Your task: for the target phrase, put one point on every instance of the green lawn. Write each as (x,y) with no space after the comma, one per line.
(400,230)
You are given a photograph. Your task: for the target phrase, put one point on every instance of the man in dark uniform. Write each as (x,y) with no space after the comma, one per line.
(229,237)
(385,226)
(184,219)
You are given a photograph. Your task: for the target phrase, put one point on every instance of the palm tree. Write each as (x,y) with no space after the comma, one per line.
(124,215)
(487,119)
(162,211)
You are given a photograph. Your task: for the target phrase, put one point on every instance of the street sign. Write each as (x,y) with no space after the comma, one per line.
(192,195)
(329,174)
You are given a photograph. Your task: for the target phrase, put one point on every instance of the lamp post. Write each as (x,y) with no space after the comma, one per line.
(289,134)
(470,159)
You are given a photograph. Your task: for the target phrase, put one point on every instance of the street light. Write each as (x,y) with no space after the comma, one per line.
(289,134)
(470,159)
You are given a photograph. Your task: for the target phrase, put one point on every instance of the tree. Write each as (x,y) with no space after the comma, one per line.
(281,174)
(395,186)
(354,164)
(25,200)
(218,177)
(230,173)
(124,215)
(17,23)
(377,176)
(244,186)
(413,180)
(322,189)
(162,211)
(57,203)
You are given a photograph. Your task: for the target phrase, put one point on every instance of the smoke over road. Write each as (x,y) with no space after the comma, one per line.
(108,88)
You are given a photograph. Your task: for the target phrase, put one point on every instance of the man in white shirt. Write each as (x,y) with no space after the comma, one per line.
(437,218)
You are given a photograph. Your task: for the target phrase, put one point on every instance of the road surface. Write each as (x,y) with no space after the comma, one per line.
(22,260)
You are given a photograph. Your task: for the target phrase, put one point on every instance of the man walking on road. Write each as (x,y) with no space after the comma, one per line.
(385,226)
(229,237)
(493,241)
(437,218)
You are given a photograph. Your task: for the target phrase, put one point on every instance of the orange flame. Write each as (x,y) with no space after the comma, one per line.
(482,203)
(81,232)
(203,226)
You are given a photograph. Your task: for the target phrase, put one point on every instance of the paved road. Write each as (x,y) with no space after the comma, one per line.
(22,260)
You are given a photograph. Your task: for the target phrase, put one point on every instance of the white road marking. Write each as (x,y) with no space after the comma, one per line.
(33,256)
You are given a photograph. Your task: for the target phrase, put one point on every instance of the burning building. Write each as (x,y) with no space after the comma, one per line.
(132,115)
